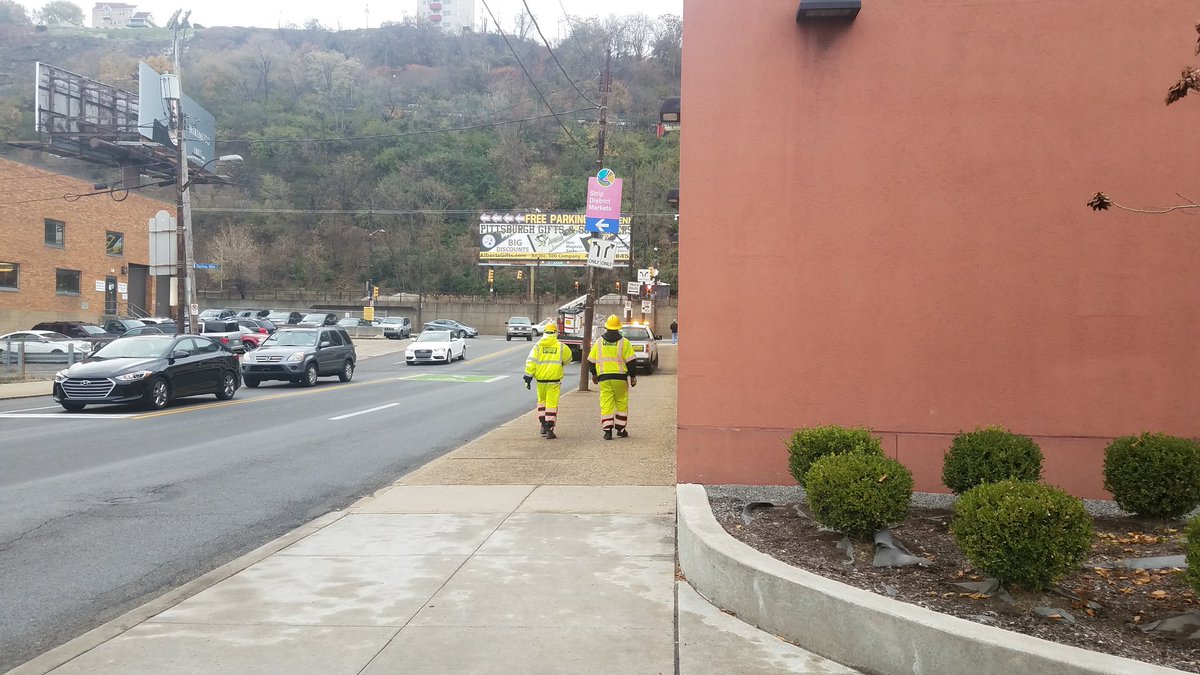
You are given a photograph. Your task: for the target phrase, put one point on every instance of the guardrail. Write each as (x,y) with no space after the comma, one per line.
(17,366)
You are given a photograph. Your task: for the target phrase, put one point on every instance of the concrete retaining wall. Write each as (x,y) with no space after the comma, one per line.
(858,628)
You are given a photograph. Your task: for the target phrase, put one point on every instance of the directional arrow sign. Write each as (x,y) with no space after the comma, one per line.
(602,253)
(605,225)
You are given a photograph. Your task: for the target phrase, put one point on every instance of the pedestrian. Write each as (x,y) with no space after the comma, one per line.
(611,364)
(545,364)
(674,332)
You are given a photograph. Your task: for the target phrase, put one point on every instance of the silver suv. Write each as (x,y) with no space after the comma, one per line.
(301,355)
(396,327)
(519,326)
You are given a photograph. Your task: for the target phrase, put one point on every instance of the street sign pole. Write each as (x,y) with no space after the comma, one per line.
(589,308)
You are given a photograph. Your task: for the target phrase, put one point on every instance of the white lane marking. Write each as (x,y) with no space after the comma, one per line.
(495,379)
(363,412)
(45,407)
(65,416)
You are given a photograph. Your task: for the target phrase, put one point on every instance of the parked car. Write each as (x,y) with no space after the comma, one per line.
(396,327)
(436,346)
(351,322)
(319,319)
(225,332)
(645,346)
(518,326)
(97,336)
(251,338)
(164,325)
(122,326)
(253,313)
(301,355)
(539,328)
(216,314)
(285,317)
(165,329)
(152,370)
(257,325)
(43,344)
(156,320)
(449,324)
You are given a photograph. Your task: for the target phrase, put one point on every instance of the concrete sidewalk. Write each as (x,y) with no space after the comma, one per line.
(512,554)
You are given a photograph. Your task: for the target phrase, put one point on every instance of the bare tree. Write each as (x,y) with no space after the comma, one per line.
(237,253)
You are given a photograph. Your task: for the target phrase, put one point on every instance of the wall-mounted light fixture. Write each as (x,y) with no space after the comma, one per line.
(821,10)
(668,116)
(673,197)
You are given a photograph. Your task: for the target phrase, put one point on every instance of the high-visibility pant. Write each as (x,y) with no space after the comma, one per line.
(614,404)
(548,401)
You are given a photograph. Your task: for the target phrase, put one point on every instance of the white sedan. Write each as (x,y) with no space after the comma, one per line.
(435,346)
(41,344)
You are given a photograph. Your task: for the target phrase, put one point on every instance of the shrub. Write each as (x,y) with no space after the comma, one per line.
(808,445)
(858,494)
(1027,534)
(1153,475)
(990,455)
(1193,553)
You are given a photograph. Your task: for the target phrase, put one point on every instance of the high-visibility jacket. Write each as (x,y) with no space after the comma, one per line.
(610,360)
(546,359)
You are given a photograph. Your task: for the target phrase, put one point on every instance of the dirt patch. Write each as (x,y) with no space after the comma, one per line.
(1109,606)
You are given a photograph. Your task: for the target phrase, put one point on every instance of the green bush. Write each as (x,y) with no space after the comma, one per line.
(808,445)
(1027,534)
(990,455)
(1153,475)
(858,494)
(1193,553)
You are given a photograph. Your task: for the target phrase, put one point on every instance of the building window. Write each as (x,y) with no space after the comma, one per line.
(114,243)
(56,233)
(66,282)
(10,276)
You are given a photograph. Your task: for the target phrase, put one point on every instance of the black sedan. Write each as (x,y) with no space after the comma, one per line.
(151,370)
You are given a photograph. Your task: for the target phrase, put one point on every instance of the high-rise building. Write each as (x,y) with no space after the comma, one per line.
(449,15)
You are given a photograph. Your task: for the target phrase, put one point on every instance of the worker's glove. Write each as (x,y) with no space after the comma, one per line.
(528,381)
(595,380)
(633,381)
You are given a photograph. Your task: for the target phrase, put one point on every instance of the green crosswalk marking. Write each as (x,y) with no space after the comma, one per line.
(432,377)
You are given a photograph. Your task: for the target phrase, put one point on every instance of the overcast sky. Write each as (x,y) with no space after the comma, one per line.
(350,14)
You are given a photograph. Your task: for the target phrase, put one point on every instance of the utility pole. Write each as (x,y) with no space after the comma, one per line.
(186,274)
(589,307)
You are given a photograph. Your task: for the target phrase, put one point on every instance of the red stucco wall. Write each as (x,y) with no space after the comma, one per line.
(893,212)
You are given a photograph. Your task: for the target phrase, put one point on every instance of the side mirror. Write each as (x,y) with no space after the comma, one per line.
(179,354)
(326,343)
(657,337)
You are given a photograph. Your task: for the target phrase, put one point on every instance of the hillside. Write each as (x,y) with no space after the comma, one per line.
(344,133)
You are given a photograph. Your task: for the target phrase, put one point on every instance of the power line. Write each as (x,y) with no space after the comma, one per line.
(74,197)
(530,78)
(552,55)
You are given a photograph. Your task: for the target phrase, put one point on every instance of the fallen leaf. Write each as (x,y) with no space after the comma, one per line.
(1158,595)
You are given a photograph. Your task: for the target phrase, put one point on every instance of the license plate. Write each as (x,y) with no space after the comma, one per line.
(639,348)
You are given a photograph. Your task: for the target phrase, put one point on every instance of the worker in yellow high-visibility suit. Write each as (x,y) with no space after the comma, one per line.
(545,364)
(611,362)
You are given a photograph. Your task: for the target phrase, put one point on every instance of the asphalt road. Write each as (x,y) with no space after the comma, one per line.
(105,509)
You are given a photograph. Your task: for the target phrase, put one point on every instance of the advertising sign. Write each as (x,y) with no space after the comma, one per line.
(603,202)
(201,130)
(547,239)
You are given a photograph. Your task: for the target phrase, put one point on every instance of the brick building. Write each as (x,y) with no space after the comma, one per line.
(62,259)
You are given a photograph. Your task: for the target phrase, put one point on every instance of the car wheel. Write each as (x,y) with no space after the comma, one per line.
(228,386)
(310,375)
(159,395)
(347,371)
(73,407)
(252,382)
(529,338)
(508,338)
(463,355)
(248,345)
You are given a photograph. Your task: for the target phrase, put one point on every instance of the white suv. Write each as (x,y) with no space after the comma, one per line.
(396,327)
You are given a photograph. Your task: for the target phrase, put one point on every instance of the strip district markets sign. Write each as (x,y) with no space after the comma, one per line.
(548,239)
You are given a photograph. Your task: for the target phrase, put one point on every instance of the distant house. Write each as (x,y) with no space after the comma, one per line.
(119,15)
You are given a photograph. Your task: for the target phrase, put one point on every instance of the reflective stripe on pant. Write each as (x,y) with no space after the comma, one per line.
(548,400)
(614,403)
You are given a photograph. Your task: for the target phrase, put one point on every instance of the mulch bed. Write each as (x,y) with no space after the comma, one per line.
(1108,605)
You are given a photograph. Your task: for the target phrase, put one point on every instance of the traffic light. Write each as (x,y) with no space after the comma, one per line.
(375,292)
(576,285)
(617,285)
(491,275)
(520,274)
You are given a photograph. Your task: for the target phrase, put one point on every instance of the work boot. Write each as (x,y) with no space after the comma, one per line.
(622,433)
(550,432)
(542,420)
(608,434)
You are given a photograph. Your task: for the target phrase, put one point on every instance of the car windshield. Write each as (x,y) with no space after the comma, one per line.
(278,315)
(519,319)
(392,319)
(210,314)
(348,322)
(291,338)
(134,348)
(319,318)
(635,333)
(434,336)
(93,330)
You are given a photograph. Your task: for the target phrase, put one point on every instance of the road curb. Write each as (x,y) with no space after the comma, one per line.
(97,636)
(859,628)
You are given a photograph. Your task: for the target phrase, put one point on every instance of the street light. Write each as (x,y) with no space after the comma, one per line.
(222,158)
(817,10)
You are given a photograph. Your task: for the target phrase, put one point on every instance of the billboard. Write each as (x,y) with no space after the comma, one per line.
(153,111)
(550,239)
(72,110)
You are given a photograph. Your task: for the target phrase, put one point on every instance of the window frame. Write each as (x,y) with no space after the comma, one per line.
(60,229)
(78,279)
(16,272)
(108,248)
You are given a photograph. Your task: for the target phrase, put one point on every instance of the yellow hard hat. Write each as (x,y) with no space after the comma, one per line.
(612,322)
(551,329)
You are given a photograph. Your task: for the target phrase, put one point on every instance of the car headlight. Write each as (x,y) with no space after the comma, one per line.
(133,377)
(297,357)
(60,375)
(248,357)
